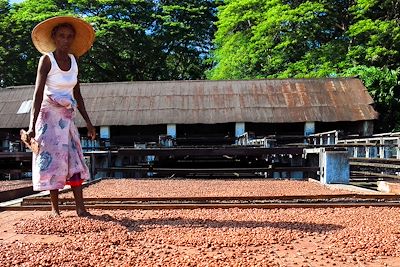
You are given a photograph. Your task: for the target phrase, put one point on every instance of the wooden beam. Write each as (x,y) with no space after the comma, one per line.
(210,151)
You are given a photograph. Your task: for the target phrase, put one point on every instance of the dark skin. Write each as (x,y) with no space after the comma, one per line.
(63,39)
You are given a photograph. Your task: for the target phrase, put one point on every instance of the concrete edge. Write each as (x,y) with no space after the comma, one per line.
(67,188)
(347,187)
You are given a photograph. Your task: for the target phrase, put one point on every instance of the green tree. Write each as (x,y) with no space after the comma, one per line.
(184,30)
(274,38)
(135,39)
(375,34)
(284,39)
(123,49)
(4,37)
(383,85)
(21,57)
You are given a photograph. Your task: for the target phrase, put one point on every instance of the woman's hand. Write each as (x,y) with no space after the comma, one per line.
(91,131)
(30,133)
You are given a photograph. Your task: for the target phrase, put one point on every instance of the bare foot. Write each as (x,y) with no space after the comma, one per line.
(83,213)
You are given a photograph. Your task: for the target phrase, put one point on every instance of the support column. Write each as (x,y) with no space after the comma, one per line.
(171,130)
(367,128)
(239,128)
(398,148)
(382,148)
(309,128)
(296,161)
(105,133)
(6,145)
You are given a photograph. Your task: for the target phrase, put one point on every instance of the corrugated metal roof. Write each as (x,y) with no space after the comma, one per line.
(189,102)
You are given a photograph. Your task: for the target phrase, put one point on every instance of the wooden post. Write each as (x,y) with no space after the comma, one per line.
(171,130)
(309,128)
(239,129)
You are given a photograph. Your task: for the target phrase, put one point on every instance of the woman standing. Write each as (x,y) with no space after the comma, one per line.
(59,160)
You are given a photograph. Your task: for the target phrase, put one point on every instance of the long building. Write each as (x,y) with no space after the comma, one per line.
(129,112)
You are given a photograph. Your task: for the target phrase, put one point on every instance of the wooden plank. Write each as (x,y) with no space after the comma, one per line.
(374,165)
(16,155)
(376,174)
(211,151)
(210,170)
(375,160)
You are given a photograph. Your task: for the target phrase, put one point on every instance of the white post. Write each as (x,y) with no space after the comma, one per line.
(382,148)
(105,133)
(239,128)
(171,130)
(398,148)
(309,128)
(6,144)
(367,128)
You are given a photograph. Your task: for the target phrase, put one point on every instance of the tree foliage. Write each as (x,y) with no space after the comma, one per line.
(300,39)
(383,85)
(171,39)
(184,35)
(135,39)
(4,10)
(18,64)
(123,50)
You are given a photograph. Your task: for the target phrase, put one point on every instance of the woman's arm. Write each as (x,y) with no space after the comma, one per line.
(41,76)
(82,110)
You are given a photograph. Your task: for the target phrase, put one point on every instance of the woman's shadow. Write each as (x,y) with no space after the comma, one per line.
(138,225)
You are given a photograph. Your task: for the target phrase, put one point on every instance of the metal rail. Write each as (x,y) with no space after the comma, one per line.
(208,206)
(376,175)
(244,202)
(203,199)
(200,172)
(374,165)
(16,155)
(16,193)
(376,160)
(375,168)
(210,151)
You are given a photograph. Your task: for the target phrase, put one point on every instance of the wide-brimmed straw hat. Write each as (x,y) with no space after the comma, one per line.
(84,35)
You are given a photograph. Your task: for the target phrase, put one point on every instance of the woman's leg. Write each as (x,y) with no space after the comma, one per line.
(80,206)
(54,202)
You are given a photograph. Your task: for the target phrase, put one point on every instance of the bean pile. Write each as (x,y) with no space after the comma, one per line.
(14,184)
(202,237)
(203,187)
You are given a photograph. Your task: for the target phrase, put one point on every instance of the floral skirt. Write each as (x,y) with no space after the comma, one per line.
(60,159)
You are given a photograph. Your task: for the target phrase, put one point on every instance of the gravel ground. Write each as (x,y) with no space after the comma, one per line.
(207,237)
(14,184)
(224,237)
(203,187)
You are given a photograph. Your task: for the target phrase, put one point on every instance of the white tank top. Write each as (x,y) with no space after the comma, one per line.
(60,82)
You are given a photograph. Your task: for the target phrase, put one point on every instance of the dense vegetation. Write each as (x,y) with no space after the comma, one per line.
(135,39)
(231,39)
(315,38)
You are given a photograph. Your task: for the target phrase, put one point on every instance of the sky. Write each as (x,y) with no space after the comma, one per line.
(15,1)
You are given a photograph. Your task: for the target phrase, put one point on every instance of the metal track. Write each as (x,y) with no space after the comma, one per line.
(206,206)
(373,169)
(15,193)
(265,202)
(298,198)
